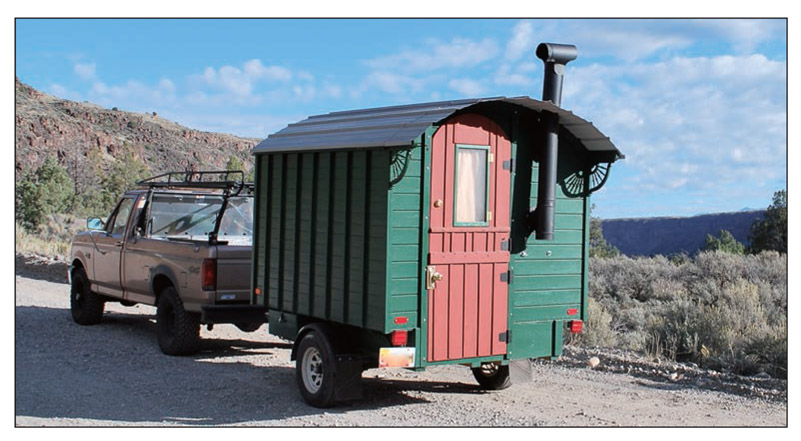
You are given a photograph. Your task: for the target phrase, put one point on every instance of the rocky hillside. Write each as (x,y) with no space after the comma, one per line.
(670,235)
(71,131)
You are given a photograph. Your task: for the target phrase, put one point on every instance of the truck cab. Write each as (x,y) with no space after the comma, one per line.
(180,243)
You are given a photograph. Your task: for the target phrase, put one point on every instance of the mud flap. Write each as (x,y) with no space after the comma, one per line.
(348,378)
(520,371)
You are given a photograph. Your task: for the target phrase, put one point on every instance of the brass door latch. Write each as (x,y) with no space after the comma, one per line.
(432,277)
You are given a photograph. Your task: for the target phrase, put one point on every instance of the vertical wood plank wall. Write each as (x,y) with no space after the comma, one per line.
(546,286)
(321,229)
(403,261)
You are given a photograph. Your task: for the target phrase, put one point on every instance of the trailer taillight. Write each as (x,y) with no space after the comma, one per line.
(209,274)
(575,326)
(399,338)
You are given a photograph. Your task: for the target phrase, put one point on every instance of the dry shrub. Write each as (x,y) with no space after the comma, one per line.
(52,238)
(719,310)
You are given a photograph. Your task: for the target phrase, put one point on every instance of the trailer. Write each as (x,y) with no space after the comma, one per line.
(418,235)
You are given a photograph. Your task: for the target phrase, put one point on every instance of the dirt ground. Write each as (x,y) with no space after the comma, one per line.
(113,374)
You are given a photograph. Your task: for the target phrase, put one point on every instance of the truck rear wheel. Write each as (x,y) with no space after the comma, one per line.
(86,306)
(491,376)
(178,330)
(314,368)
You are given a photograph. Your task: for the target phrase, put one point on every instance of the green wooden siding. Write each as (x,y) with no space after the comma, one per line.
(549,276)
(321,235)
(403,262)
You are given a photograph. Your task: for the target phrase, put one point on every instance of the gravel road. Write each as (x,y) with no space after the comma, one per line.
(113,374)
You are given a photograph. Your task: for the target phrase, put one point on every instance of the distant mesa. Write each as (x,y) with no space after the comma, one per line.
(673,235)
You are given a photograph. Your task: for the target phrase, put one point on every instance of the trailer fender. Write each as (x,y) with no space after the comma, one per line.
(323,329)
(347,368)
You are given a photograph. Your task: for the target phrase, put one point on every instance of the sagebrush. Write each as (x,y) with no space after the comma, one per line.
(720,310)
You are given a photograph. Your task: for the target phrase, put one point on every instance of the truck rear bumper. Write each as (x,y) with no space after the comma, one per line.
(233,314)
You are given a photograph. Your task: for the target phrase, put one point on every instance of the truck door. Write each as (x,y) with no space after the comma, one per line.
(468,239)
(107,271)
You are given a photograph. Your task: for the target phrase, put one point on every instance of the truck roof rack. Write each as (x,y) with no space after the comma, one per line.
(226,180)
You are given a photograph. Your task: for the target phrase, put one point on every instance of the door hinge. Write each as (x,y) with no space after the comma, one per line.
(509,165)
(507,276)
(489,216)
(505,245)
(505,337)
(490,158)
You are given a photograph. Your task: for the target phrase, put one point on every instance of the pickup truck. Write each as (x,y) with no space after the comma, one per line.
(182,243)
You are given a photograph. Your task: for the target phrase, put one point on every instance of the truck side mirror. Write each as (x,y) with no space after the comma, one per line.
(94,223)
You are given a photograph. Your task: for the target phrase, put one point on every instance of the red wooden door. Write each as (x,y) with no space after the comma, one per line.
(468,238)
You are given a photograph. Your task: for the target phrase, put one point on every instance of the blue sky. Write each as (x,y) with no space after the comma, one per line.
(699,107)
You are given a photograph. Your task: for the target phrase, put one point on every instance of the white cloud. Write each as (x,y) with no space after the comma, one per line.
(391,83)
(712,124)
(60,91)
(435,55)
(254,69)
(522,42)
(86,71)
(745,35)
(466,86)
(240,82)
(134,95)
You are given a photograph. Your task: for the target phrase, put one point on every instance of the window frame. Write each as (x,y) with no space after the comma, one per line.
(113,218)
(488,150)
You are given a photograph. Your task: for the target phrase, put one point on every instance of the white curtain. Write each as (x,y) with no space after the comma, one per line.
(471,185)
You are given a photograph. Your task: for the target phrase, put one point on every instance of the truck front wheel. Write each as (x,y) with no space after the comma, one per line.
(86,306)
(491,376)
(315,370)
(178,330)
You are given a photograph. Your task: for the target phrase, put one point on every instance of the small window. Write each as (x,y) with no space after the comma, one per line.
(121,217)
(472,172)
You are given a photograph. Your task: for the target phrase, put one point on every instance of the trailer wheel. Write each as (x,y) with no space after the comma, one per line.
(314,369)
(491,376)
(86,306)
(178,330)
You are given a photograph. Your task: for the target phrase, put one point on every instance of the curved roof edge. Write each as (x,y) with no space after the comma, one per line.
(399,126)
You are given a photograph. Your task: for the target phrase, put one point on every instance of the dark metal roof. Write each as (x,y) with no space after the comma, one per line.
(398,126)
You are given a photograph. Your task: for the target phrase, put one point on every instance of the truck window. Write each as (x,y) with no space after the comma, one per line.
(121,217)
(236,225)
(192,216)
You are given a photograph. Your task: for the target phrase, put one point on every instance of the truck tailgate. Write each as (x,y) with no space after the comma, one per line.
(233,274)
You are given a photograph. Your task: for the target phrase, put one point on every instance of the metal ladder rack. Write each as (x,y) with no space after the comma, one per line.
(227,180)
(206,180)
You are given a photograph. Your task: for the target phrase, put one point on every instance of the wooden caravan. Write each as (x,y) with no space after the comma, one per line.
(450,232)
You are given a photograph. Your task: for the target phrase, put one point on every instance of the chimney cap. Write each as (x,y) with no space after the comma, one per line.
(557,53)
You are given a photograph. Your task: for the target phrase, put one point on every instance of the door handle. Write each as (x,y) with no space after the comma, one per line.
(118,243)
(432,277)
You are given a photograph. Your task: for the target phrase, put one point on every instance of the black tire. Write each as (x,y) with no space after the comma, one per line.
(314,368)
(86,306)
(248,327)
(178,330)
(491,376)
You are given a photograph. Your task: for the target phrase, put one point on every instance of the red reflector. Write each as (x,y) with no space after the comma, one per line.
(209,274)
(257,291)
(575,326)
(572,311)
(398,338)
(401,320)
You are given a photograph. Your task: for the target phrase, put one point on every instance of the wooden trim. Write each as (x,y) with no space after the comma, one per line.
(469,230)
(471,257)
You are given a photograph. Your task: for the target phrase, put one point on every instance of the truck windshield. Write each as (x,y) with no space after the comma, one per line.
(192,216)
